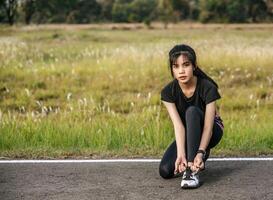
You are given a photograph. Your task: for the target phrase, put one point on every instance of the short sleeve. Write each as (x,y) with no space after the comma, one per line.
(167,94)
(211,93)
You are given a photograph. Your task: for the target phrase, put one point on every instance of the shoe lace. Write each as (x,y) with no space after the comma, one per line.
(188,174)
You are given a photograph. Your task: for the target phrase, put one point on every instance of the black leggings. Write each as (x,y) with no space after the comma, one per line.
(194,125)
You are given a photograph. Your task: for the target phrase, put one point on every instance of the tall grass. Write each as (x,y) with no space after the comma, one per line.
(97,92)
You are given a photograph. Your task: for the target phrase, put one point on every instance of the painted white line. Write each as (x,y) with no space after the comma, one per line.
(127,160)
(81,161)
(242,159)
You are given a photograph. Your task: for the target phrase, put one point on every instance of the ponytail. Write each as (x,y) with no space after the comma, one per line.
(198,72)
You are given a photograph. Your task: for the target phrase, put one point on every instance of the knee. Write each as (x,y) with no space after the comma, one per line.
(193,111)
(165,172)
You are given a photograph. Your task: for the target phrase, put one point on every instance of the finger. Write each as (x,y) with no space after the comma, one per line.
(176,167)
(184,166)
(179,168)
(193,168)
(176,171)
(196,161)
(202,165)
(197,169)
(199,162)
(196,164)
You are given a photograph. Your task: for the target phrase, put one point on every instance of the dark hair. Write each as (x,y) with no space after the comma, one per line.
(183,49)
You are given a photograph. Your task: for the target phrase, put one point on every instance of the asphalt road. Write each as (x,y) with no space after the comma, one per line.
(221,180)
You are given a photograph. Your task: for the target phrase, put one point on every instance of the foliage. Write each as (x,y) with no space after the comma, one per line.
(233,11)
(90,11)
(9,7)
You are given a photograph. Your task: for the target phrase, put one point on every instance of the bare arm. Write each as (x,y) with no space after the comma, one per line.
(208,125)
(179,128)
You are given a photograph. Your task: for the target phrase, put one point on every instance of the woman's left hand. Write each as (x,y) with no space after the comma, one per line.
(198,163)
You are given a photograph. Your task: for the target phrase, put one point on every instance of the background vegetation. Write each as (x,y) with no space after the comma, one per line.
(80,91)
(90,11)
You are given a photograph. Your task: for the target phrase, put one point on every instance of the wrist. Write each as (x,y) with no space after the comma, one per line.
(181,155)
(201,153)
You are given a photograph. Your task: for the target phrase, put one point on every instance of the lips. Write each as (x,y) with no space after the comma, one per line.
(182,77)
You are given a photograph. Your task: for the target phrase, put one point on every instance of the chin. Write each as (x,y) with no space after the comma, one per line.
(183,81)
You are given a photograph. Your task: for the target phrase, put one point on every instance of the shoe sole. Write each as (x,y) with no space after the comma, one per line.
(186,186)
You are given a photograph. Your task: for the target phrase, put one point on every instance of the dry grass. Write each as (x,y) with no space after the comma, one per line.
(84,91)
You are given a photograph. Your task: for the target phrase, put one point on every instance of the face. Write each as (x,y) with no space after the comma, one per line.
(183,69)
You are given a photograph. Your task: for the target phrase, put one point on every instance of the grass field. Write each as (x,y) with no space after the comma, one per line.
(95,92)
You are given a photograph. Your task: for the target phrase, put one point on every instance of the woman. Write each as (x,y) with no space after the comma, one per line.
(190,99)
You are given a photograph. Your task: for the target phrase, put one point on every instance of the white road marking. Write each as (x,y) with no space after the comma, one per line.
(128,160)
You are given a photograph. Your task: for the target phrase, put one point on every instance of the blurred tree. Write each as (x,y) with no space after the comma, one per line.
(213,11)
(269,5)
(165,12)
(237,11)
(194,9)
(232,10)
(257,10)
(106,9)
(134,10)
(3,18)
(10,8)
(141,10)
(44,11)
(121,10)
(87,11)
(29,8)
(181,8)
(69,11)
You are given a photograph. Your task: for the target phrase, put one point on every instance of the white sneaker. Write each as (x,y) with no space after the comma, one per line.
(190,179)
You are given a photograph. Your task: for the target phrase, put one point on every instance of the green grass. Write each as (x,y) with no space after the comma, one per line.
(96,93)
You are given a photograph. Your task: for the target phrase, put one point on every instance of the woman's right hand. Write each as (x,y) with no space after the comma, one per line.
(180,164)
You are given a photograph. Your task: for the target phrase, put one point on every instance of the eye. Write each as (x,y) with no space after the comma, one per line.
(186,64)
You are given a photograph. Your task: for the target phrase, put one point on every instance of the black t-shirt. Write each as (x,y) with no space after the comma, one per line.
(205,92)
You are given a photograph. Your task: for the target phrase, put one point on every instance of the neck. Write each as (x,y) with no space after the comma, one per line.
(192,83)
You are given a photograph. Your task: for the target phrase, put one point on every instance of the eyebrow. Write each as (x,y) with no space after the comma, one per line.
(183,62)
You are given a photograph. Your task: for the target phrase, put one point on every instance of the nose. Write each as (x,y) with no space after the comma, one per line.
(181,70)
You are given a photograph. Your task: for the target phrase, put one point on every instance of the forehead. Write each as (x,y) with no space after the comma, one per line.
(182,59)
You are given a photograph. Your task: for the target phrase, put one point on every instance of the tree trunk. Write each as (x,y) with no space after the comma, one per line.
(11,6)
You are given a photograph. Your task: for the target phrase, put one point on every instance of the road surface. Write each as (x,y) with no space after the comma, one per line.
(221,180)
